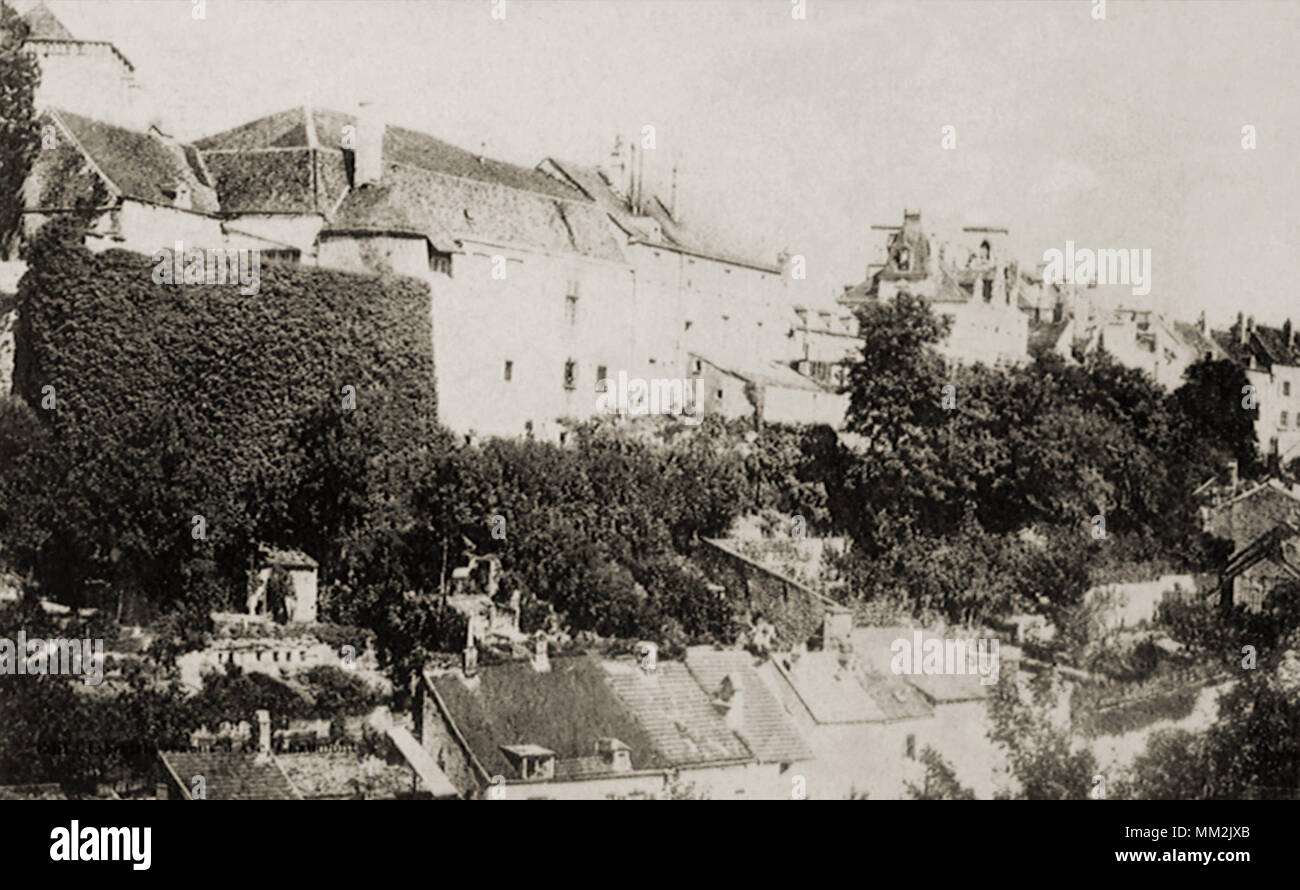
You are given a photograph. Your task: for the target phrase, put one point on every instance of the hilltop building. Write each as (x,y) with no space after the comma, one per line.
(968,277)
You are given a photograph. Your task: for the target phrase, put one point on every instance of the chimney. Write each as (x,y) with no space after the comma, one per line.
(1232,473)
(541,659)
(1289,333)
(368,160)
(469,663)
(1201,325)
(263,735)
(647,654)
(730,702)
(837,627)
(1250,323)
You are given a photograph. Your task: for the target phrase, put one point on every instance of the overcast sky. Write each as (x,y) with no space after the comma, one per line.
(1125,132)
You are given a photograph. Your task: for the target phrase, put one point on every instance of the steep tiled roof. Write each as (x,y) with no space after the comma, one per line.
(565,710)
(281,181)
(772,373)
(335,774)
(671,233)
(1046,334)
(440,206)
(401,146)
(138,165)
(275,556)
(833,693)
(1268,346)
(873,646)
(1192,336)
(767,729)
(428,187)
(677,713)
(44,25)
(230,775)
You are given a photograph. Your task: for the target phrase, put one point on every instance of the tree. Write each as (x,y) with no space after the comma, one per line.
(940,780)
(1040,750)
(19,135)
(1214,410)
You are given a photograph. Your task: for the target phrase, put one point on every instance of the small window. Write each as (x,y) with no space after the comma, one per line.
(602,373)
(1286,387)
(1283,419)
(988,289)
(509,370)
(911,747)
(570,374)
(571,308)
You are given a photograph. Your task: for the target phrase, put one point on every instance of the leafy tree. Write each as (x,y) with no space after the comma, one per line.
(19,135)
(1211,407)
(940,780)
(1041,751)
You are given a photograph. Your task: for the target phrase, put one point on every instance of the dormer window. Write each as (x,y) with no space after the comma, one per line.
(530,761)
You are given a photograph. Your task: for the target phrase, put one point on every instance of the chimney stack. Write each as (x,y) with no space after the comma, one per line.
(647,654)
(1201,324)
(469,663)
(263,735)
(541,659)
(1232,473)
(730,700)
(1289,333)
(368,162)
(1241,329)
(837,627)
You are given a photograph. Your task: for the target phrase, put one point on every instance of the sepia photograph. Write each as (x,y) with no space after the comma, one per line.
(606,400)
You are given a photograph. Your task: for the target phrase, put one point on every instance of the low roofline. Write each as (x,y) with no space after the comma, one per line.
(730,261)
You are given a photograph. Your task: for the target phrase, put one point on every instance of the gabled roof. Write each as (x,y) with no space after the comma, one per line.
(874,646)
(1192,336)
(1267,345)
(343,774)
(322,128)
(676,712)
(442,207)
(1046,335)
(144,166)
(275,556)
(298,180)
(833,693)
(230,775)
(565,710)
(45,25)
(295,161)
(1271,546)
(671,234)
(1268,486)
(772,373)
(766,729)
